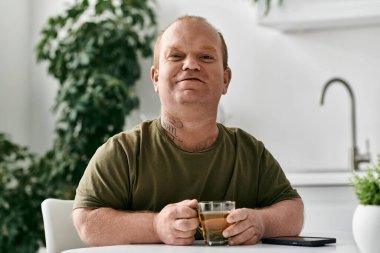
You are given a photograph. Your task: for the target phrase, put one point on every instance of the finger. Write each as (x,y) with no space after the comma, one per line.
(236,228)
(237,215)
(186,224)
(184,234)
(248,236)
(185,212)
(183,241)
(193,203)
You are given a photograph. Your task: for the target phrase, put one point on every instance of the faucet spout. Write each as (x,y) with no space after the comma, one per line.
(353,105)
(356,158)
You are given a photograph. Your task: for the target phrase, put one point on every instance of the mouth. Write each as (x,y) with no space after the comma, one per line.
(192,79)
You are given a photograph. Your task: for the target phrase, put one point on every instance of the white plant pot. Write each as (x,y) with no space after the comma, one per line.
(366,228)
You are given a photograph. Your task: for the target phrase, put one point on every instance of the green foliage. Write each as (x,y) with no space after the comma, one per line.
(93,50)
(268,5)
(367,187)
(20,184)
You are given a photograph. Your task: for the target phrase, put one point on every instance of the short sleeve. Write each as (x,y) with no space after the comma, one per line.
(273,184)
(105,182)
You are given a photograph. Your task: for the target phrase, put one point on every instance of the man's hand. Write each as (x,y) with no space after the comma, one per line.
(247,227)
(176,224)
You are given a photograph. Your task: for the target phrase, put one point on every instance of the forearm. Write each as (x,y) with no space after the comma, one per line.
(283,219)
(106,226)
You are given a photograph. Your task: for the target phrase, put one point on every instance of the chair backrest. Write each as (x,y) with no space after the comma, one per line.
(60,233)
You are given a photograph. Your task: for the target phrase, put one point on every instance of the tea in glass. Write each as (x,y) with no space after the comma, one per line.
(213,219)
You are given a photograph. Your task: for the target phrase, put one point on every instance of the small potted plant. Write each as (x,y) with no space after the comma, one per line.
(366,219)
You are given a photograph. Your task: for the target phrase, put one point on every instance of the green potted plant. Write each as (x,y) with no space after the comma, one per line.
(366,219)
(93,49)
(267,4)
(21,187)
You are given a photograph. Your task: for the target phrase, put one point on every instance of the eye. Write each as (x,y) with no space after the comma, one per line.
(207,58)
(175,56)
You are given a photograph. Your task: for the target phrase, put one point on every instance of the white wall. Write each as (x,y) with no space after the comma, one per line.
(274,93)
(43,88)
(14,74)
(328,209)
(278,78)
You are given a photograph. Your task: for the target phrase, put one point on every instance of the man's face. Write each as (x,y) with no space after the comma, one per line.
(190,69)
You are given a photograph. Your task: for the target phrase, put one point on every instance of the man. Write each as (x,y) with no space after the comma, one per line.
(143,185)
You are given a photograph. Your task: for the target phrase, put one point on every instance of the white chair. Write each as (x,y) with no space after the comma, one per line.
(60,233)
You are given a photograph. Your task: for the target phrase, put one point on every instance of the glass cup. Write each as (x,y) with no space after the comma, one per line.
(212,216)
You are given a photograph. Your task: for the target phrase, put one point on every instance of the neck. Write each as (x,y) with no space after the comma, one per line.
(190,133)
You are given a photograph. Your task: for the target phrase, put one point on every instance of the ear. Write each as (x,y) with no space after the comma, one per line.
(154,77)
(227,75)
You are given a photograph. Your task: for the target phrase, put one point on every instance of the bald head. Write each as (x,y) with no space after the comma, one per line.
(190,19)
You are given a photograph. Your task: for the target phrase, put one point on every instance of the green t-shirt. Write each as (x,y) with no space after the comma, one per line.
(143,170)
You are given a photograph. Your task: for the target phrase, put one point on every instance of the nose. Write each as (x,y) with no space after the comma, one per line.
(190,63)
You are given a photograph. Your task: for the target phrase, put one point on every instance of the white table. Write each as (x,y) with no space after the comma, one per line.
(345,244)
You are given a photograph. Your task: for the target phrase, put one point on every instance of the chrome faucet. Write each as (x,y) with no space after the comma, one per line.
(356,157)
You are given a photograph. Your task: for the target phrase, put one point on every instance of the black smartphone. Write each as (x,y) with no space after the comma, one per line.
(308,241)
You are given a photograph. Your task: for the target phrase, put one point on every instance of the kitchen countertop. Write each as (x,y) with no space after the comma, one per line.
(321,178)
